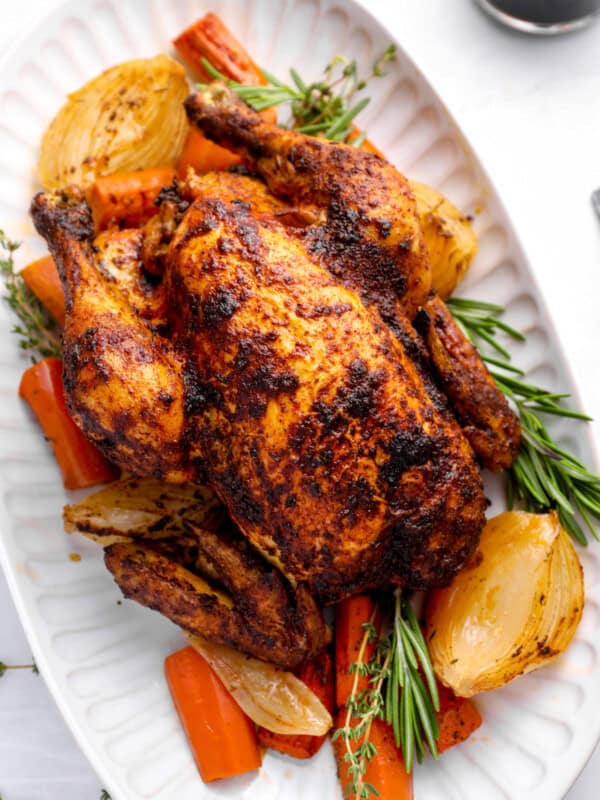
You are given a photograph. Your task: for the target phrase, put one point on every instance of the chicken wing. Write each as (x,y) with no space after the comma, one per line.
(490,425)
(260,616)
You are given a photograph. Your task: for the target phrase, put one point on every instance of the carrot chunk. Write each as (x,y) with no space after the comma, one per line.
(127,198)
(220,735)
(43,280)
(458,717)
(366,144)
(202,155)
(210,38)
(351,615)
(80,462)
(318,676)
(385,771)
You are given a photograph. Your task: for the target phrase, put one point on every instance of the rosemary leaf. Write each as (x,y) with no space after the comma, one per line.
(324,107)
(397,693)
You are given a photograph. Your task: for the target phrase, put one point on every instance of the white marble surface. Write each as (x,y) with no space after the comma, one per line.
(531,108)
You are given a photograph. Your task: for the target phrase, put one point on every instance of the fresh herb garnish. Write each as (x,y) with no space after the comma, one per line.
(543,476)
(104,795)
(5,667)
(361,709)
(37,330)
(410,702)
(396,693)
(322,108)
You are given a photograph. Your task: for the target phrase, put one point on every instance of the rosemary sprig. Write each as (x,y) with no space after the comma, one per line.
(410,702)
(5,667)
(37,331)
(397,694)
(543,476)
(325,107)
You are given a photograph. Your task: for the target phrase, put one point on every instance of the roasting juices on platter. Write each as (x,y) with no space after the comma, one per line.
(267,346)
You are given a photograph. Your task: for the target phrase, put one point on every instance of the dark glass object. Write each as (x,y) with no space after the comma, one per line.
(542,16)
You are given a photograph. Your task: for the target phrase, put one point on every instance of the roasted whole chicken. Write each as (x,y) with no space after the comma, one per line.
(257,336)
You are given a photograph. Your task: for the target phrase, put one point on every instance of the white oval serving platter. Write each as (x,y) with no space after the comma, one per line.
(102,660)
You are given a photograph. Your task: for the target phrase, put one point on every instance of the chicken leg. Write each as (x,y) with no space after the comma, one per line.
(123,383)
(371,236)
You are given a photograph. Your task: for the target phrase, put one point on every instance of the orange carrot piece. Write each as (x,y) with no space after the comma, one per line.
(220,735)
(350,617)
(318,676)
(210,38)
(458,717)
(366,145)
(43,280)
(202,155)
(385,772)
(127,198)
(370,148)
(80,462)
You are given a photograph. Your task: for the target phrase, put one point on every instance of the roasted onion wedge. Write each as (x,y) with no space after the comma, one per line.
(514,610)
(273,698)
(450,238)
(129,117)
(142,508)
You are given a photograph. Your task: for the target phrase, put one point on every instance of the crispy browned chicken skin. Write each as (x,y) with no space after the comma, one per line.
(361,225)
(313,424)
(279,386)
(369,237)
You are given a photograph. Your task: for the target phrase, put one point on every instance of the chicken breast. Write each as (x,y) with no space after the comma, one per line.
(313,424)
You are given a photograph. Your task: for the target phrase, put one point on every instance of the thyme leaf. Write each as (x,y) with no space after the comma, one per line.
(38,332)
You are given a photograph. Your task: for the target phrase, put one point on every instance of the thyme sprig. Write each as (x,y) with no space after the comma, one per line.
(363,707)
(5,667)
(38,332)
(397,693)
(324,107)
(544,476)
